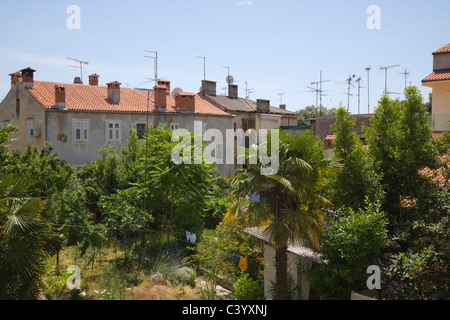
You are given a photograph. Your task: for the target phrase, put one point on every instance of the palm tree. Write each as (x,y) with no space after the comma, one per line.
(292,204)
(26,239)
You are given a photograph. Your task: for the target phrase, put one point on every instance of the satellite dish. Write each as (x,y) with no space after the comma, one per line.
(176,92)
(230,79)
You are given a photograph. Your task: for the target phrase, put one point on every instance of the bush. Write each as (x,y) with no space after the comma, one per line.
(54,287)
(185,275)
(245,288)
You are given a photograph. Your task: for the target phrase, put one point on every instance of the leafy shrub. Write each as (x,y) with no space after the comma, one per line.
(54,287)
(245,288)
(185,275)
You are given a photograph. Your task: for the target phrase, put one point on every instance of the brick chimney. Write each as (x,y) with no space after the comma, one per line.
(166,83)
(283,106)
(185,102)
(15,77)
(93,79)
(233,91)
(114,91)
(77,80)
(28,77)
(208,87)
(60,96)
(160,92)
(263,105)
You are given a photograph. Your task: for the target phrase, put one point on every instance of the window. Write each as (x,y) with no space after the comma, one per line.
(174,126)
(80,130)
(113,131)
(30,130)
(141,129)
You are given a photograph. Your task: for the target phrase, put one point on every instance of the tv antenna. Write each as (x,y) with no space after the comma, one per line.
(247,91)
(281,97)
(204,66)
(405,74)
(385,77)
(349,81)
(80,66)
(155,58)
(368,89)
(359,93)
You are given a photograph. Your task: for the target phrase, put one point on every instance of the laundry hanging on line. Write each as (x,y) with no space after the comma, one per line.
(191,237)
(243,265)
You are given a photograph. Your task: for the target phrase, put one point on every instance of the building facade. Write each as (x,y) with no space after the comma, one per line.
(80,119)
(439,81)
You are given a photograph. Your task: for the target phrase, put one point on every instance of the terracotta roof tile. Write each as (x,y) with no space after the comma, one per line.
(440,75)
(444,49)
(95,98)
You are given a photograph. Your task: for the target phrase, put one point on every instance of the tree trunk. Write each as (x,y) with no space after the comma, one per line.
(282,290)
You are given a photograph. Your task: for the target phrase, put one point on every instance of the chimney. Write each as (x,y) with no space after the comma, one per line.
(28,77)
(208,87)
(263,105)
(283,106)
(15,77)
(93,79)
(77,80)
(166,83)
(233,91)
(60,96)
(185,102)
(160,92)
(114,91)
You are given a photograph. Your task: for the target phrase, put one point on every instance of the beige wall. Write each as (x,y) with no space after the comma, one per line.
(29,110)
(440,111)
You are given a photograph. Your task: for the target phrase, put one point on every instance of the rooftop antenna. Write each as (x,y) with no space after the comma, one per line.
(204,66)
(155,62)
(80,66)
(405,74)
(281,97)
(368,89)
(385,77)
(247,91)
(320,90)
(359,93)
(349,81)
(227,68)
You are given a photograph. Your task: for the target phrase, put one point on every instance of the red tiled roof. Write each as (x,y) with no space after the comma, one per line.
(440,75)
(444,49)
(95,98)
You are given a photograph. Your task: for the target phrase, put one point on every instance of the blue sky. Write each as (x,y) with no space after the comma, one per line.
(276,46)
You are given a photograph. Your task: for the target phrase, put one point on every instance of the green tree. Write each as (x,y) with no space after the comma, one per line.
(292,204)
(357,179)
(400,142)
(310,112)
(352,240)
